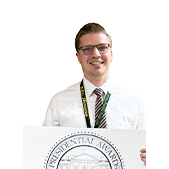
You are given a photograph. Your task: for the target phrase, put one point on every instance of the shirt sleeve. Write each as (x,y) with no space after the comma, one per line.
(141,118)
(51,118)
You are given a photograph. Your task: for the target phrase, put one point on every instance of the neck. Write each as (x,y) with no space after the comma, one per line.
(97,81)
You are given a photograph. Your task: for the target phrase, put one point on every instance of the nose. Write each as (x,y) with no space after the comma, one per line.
(96,52)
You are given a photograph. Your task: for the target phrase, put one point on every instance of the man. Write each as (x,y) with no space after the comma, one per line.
(96,101)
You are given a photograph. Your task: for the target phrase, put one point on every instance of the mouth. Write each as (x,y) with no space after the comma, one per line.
(96,63)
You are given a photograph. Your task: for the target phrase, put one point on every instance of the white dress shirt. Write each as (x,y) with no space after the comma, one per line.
(124,109)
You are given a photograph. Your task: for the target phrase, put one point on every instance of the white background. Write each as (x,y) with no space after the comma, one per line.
(38,59)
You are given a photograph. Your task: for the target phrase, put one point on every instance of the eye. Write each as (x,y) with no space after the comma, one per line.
(102,47)
(87,48)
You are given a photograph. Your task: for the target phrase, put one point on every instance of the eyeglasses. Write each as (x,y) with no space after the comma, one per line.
(88,50)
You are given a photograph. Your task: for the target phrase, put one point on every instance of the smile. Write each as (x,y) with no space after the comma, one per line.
(96,63)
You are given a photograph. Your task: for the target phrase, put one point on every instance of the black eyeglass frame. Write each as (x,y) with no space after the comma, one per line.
(93,46)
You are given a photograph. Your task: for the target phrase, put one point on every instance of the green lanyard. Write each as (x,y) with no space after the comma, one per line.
(85,107)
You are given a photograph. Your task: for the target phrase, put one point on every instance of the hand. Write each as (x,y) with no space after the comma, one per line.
(143,155)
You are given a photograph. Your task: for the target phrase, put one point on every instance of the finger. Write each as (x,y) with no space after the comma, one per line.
(143,155)
(143,159)
(143,150)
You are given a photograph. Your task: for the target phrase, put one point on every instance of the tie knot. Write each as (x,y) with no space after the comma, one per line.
(98,91)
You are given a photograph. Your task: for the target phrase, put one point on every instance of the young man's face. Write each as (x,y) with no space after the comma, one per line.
(95,65)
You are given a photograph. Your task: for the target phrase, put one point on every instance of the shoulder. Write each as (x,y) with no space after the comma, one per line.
(68,93)
(122,92)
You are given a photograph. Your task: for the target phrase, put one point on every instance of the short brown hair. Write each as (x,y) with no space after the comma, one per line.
(90,28)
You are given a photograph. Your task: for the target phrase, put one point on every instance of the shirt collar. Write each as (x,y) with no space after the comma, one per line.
(89,87)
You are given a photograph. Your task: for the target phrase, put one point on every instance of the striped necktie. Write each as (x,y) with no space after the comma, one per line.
(98,105)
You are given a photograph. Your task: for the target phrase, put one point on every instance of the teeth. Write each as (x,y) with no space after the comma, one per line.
(96,63)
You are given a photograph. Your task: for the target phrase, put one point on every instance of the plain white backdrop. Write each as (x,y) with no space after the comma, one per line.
(38,59)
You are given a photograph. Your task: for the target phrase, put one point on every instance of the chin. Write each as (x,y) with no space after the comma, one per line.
(98,75)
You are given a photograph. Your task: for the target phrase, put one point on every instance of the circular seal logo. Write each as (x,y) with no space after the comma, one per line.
(84,151)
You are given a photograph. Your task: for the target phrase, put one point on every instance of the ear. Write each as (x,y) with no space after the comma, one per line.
(78,57)
(111,55)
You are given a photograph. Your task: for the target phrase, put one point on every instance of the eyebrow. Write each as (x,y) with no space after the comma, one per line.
(96,45)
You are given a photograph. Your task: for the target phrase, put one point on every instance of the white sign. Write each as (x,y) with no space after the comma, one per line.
(81,148)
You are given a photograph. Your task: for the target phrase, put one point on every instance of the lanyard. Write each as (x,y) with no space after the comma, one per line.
(85,107)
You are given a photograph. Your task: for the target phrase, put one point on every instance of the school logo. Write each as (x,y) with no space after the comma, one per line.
(84,151)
